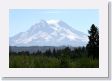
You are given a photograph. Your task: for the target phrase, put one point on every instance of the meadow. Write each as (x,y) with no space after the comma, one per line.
(77,58)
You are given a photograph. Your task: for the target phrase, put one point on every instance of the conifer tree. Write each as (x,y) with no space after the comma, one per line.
(93,44)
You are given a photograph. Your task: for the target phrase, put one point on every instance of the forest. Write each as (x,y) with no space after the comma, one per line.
(79,57)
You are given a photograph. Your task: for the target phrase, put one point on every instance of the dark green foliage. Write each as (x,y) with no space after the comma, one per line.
(63,58)
(93,44)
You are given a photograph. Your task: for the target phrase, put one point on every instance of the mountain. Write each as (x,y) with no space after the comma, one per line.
(49,33)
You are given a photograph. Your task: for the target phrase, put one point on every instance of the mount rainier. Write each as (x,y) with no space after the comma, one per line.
(49,33)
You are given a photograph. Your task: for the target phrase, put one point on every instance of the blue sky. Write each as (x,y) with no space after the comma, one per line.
(21,20)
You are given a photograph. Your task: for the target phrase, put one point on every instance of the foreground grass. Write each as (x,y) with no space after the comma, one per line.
(41,61)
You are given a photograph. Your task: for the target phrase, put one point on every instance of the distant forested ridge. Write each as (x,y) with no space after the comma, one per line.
(34,49)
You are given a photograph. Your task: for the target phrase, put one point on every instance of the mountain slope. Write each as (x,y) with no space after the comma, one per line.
(49,33)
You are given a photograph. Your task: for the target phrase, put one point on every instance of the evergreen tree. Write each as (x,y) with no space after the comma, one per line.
(38,52)
(67,51)
(54,51)
(93,44)
(65,57)
(48,52)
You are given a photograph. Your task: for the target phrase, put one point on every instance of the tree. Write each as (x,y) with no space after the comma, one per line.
(48,52)
(38,52)
(93,44)
(54,52)
(65,57)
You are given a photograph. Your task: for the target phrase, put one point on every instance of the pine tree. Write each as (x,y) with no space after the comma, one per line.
(93,44)
(65,57)
(48,52)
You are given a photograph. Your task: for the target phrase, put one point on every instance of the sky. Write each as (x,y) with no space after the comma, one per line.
(20,20)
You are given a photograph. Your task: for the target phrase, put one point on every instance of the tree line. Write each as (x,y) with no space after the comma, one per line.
(67,51)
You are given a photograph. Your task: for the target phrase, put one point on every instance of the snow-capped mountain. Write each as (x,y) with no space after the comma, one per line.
(49,33)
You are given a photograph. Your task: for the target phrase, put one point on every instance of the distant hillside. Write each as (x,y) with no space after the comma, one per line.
(34,49)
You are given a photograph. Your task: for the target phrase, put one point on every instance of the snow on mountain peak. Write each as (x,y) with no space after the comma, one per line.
(53,21)
(49,33)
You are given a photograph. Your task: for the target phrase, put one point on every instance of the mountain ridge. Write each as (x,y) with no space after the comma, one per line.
(49,33)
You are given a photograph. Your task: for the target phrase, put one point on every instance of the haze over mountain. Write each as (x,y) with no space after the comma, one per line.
(49,33)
